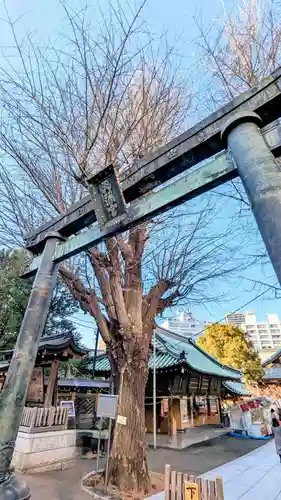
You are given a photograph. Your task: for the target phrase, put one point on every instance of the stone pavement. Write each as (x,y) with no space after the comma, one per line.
(190,437)
(202,457)
(60,485)
(255,476)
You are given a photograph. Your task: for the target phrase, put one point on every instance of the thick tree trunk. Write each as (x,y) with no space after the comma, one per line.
(128,459)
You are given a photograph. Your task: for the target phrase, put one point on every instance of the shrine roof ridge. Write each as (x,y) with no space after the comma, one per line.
(175,350)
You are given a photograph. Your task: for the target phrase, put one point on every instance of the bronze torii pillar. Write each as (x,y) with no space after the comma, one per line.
(260,174)
(13,394)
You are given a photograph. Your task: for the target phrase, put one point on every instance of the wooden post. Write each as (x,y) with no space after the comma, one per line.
(189,412)
(179,486)
(167,479)
(220,495)
(170,418)
(219,409)
(212,490)
(208,406)
(55,397)
(194,410)
(51,383)
(173,485)
(205,489)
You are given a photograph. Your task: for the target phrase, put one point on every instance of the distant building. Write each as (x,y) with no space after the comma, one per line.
(263,335)
(185,324)
(235,319)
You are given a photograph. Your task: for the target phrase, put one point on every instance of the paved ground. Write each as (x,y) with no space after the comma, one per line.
(60,485)
(192,436)
(197,459)
(202,457)
(256,476)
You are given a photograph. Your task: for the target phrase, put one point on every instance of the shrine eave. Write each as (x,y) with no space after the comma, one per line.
(274,358)
(59,344)
(59,347)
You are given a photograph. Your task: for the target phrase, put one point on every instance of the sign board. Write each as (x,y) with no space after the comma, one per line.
(121,420)
(35,392)
(183,410)
(70,406)
(106,407)
(191,491)
(106,195)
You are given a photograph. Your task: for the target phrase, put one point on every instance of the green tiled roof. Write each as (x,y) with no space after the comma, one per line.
(197,358)
(236,388)
(162,361)
(274,357)
(273,373)
(173,350)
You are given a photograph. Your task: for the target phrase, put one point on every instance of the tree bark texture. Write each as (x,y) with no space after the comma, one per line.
(128,459)
(127,331)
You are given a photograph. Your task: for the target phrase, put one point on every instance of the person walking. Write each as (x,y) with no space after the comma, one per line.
(276,429)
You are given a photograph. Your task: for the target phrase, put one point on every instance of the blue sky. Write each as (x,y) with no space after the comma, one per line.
(45,19)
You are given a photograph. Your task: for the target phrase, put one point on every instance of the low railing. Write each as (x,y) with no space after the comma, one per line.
(44,419)
(180,486)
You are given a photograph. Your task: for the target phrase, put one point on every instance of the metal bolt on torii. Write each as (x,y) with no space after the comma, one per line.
(252,157)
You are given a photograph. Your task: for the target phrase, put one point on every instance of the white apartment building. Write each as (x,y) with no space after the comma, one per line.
(263,335)
(185,324)
(235,319)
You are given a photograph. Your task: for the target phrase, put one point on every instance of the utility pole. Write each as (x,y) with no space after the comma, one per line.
(13,394)
(154,392)
(95,352)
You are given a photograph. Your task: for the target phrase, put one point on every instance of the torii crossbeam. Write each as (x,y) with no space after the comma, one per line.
(116,207)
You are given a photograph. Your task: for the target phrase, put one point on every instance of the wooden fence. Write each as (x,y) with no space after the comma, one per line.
(175,486)
(85,410)
(44,419)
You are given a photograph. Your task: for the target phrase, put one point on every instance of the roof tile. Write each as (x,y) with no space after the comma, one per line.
(173,350)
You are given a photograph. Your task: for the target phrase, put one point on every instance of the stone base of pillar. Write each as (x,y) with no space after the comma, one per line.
(44,451)
(14,489)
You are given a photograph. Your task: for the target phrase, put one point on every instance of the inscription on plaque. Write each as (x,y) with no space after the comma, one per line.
(191,491)
(106,196)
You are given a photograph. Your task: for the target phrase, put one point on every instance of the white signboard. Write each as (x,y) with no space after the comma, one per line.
(183,410)
(107,404)
(121,420)
(70,406)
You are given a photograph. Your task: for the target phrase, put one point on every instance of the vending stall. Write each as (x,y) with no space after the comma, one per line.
(251,418)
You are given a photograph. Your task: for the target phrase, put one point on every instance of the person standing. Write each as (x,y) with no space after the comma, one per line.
(274,418)
(276,429)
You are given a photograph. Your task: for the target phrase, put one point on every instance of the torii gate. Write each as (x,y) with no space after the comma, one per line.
(118,206)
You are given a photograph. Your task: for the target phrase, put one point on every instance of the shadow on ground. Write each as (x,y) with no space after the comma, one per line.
(196,459)
(202,457)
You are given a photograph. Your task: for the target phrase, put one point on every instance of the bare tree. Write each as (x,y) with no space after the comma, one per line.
(237,51)
(240,49)
(112,96)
